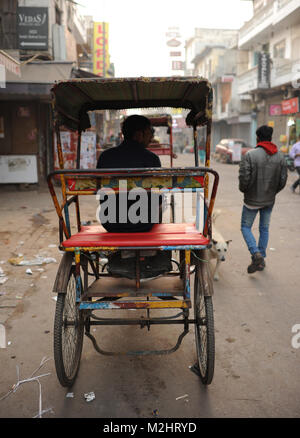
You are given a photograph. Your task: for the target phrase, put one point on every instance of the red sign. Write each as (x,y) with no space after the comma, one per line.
(275,110)
(290,106)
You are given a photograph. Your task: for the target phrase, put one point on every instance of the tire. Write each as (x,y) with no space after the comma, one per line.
(68,339)
(204,333)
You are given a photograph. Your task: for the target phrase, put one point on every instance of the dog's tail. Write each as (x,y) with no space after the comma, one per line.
(215,214)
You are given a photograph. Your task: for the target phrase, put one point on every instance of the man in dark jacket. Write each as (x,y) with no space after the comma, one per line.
(262,174)
(131,153)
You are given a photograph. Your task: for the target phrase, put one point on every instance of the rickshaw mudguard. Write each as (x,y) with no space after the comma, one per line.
(63,273)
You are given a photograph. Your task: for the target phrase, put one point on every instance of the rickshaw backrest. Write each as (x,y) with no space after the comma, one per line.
(180,180)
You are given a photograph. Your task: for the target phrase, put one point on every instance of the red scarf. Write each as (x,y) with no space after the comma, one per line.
(268,146)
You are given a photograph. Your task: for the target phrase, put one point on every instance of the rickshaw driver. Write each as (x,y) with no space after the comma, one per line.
(131,153)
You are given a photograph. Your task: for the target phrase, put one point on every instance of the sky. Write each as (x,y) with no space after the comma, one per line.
(137,41)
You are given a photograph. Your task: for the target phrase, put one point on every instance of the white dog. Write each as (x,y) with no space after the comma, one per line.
(219,248)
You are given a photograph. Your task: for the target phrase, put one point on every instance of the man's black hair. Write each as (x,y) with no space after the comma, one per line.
(133,124)
(264,133)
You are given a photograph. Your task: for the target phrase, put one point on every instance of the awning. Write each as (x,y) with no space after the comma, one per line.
(43,72)
(36,79)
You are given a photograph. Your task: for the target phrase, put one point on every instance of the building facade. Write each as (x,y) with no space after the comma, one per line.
(39,45)
(269,68)
(216,59)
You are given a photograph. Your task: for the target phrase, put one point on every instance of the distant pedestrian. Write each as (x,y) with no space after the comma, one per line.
(295,155)
(262,174)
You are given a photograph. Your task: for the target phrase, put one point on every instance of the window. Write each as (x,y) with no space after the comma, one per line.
(279,50)
(255,59)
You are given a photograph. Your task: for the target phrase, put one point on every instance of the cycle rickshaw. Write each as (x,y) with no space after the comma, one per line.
(162,120)
(84,288)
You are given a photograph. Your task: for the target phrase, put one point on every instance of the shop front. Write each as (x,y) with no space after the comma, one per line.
(291,109)
(25,122)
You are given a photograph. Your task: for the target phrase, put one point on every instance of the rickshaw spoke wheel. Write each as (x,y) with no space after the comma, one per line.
(68,333)
(204,326)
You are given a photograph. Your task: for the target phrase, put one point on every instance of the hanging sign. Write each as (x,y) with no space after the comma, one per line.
(101,54)
(32,28)
(290,106)
(263,70)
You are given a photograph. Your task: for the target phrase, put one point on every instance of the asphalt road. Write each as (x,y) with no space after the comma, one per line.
(257,365)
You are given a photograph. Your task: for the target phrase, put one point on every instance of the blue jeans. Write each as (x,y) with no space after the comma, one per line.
(248,217)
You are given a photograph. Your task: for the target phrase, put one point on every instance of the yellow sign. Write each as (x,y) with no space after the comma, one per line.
(271,123)
(101,53)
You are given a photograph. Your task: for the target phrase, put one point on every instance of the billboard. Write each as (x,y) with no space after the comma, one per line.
(101,60)
(32,28)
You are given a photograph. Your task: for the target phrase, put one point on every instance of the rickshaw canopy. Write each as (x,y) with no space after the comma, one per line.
(74,98)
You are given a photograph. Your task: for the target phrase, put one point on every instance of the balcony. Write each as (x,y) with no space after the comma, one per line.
(248,81)
(285,71)
(259,28)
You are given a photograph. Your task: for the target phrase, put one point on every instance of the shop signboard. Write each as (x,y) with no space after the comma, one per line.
(177,65)
(101,60)
(290,106)
(275,110)
(32,28)
(173,43)
(263,70)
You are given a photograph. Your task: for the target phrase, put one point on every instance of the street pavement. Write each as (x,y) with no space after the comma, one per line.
(257,359)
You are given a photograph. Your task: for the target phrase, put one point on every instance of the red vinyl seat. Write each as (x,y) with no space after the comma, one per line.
(161,235)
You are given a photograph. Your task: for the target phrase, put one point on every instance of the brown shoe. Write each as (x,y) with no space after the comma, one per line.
(262,266)
(257,263)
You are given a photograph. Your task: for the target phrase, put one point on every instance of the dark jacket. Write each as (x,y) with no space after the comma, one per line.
(262,174)
(129,154)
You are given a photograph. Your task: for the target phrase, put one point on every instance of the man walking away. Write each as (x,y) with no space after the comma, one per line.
(262,174)
(295,155)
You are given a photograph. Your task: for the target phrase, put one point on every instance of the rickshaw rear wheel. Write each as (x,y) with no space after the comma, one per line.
(204,325)
(68,332)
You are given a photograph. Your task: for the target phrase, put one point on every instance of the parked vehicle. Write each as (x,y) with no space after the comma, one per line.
(230,150)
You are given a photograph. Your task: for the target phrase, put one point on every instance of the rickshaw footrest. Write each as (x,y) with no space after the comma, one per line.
(137,353)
